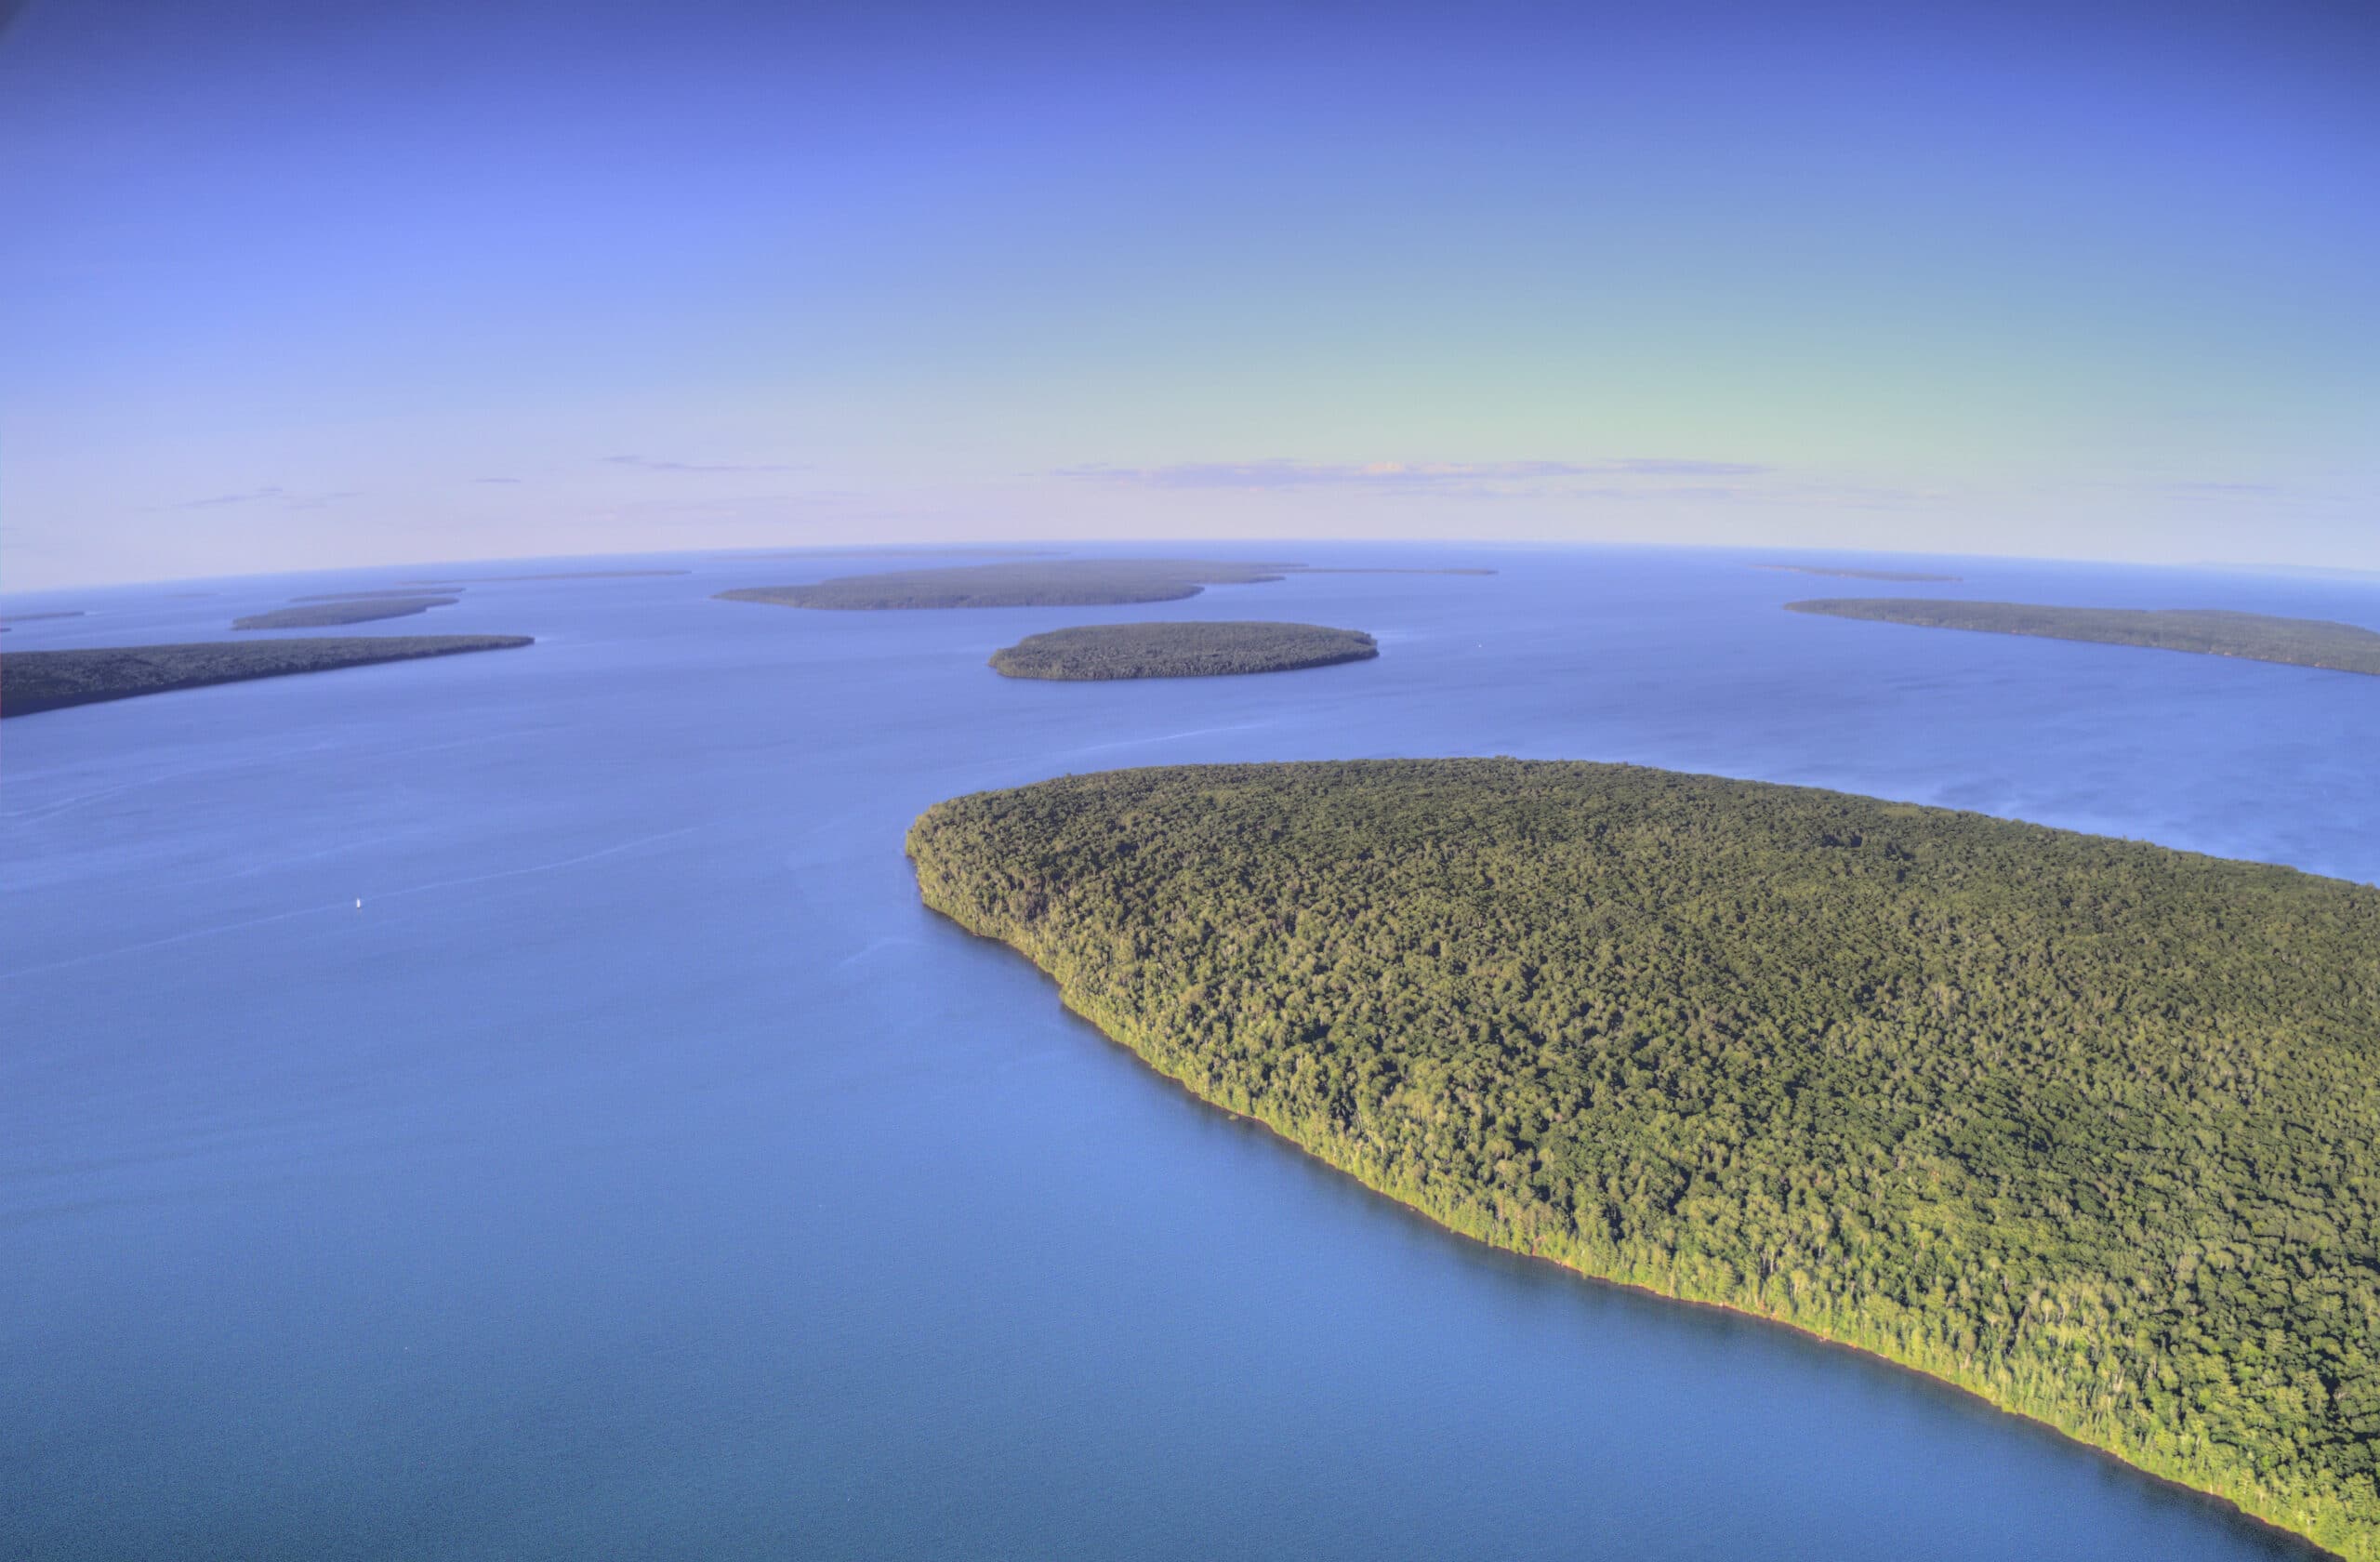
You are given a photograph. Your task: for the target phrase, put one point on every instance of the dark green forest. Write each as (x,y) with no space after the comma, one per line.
(2312,642)
(1180,650)
(322,615)
(2083,1125)
(1024,583)
(36,681)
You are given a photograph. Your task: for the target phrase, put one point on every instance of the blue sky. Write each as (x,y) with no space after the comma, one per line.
(300,285)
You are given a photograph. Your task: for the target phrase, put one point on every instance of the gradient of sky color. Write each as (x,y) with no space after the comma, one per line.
(295,285)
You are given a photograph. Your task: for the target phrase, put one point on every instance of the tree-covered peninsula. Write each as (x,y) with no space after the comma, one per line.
(1024,583)
(322,614)
(36,681)
(2083,1125)
(2313,643)
(1180,650)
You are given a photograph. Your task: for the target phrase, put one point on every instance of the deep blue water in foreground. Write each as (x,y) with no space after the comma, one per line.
(641,1172)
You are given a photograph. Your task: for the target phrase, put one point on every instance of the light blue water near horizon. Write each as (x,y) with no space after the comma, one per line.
(642,1172)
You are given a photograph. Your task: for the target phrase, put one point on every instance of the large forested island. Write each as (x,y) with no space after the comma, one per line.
(1180,650)
(36,681)
(1034,583)
(2083,1125)
(325,613)
(2313,643)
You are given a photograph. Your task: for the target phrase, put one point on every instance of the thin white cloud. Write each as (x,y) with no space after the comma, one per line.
(253,495)
(647,464)
(272,494)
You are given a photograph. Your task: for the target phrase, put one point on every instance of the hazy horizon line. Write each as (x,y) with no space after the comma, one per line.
(1820,552)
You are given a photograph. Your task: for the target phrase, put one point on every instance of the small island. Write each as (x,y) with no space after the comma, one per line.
(455,582)
(1384,569)
(893,550)
(1907,578)
(1180,650)
(382,595)
(1054,583)
(2310,642)
(2083,1125)
(325,613)
(37,680)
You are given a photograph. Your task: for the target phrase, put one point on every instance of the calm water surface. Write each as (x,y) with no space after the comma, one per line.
(641,1172)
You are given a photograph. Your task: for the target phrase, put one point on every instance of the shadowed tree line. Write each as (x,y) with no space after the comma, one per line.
(36,681)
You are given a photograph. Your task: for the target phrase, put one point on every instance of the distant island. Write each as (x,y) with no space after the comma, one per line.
(1904,576)
(1383,569)
(1053,583)
(2312,642)
(36,617)
(2083,1125)
(1180,650)
(451,580)
(901,549)
(38,681)
(321,613)
(383,594)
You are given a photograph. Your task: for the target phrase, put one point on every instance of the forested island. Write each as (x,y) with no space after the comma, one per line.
(2313,643)
(382,595)
(1180,650)
(1905,576)
(325,613)
(2083,1125)
(1051,582)
(37,680)
(456,580)
(896,550)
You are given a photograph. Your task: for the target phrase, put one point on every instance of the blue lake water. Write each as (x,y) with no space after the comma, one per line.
(641,1172)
